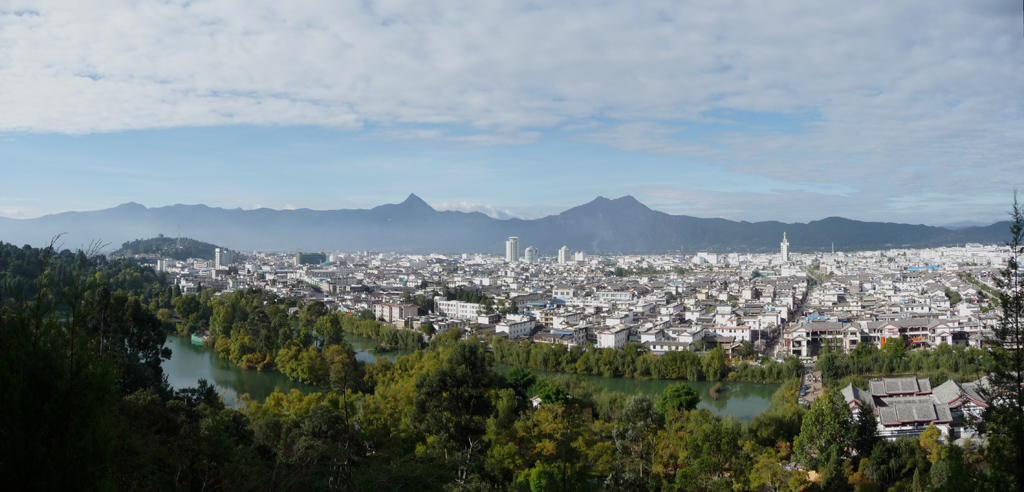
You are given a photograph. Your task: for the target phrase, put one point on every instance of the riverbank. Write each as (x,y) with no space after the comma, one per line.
(190,362)
(744,401)
(635,361)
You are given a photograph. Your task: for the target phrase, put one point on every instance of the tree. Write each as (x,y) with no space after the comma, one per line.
(895,347)
(866,433)
(768,471)
(548,393)
(636,431)
(56,423)
(677,398)
(713,364)
(954,297)
(1004,419)
(833,477)
(825,426)
(451,403)
(828,364)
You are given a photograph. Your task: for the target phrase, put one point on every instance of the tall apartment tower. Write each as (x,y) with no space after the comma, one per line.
(222,258)
(512,249)
(563,255)
(785,248)
(531,255)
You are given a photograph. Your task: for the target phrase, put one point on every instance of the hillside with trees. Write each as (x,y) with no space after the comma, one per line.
(168,247)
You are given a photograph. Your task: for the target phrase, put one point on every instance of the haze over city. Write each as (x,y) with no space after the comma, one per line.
(790,111)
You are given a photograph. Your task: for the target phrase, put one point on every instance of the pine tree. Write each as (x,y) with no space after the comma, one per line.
(1004,419)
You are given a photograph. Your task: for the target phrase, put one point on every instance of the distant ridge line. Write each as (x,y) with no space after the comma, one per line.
(621,225)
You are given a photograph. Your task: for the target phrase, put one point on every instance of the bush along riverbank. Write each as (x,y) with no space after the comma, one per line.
(635,361)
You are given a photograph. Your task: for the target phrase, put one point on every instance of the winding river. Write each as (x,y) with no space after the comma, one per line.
(190,362)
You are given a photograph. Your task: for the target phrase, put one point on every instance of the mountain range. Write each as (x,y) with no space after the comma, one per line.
(621,225)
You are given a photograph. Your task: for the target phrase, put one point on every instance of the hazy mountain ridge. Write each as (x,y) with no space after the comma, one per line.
(622,225)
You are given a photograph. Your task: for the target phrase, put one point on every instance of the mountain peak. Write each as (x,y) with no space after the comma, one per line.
(629,201)
(415,202)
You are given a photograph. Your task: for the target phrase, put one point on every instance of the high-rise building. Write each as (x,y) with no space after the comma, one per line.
(309,258)
(512,249)
(785,248)
(223,257)
(531,254)
(563,255)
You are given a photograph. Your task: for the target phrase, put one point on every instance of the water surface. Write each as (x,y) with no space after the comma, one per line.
(190,362)
(741,400)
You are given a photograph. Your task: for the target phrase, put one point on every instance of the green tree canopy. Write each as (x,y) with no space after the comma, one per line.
(828,424)
(678,397)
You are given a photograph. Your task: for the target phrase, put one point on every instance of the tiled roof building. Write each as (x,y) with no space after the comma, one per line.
(907,406)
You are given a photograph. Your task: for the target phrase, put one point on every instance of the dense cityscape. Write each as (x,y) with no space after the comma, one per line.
(750,305)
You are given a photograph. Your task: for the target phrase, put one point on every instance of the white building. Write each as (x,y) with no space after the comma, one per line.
(516,326)
(455,309)
(706,257)
(785,248)
(512,249)
(223,257)
(531,255)
(563,255)
(742,333)
(613,337)
(614,295)
(394,313)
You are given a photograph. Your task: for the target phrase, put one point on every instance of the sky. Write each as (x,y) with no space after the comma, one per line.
(908,111)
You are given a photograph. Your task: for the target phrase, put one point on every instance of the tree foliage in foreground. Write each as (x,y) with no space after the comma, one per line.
(1004,419)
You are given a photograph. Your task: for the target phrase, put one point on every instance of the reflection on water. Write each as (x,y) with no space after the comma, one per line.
(364,347)
(189,363)
(741,400)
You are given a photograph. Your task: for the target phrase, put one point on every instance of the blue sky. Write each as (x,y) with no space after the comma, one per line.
(788,110)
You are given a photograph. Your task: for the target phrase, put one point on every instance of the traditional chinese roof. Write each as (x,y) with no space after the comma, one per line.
(899,386)
(855,395)
(914,411)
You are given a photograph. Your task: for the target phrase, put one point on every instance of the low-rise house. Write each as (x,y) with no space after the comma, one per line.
(614,337)
(516,326)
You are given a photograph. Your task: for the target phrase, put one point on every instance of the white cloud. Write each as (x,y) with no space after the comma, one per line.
(97,66)
(488,210)
(888,86)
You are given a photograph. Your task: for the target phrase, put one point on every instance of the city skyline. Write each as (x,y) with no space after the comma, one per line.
(789,111)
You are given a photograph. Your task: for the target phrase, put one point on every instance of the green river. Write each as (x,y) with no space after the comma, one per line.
(190,362)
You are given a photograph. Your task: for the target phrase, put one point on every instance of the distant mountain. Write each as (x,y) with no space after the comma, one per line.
(963,224)
(621,225)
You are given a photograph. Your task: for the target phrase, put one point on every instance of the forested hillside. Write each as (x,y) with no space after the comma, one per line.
(169,247)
